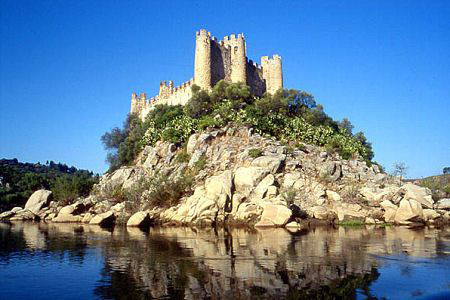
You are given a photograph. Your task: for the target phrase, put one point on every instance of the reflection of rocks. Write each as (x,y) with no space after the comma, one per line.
(197,264)
(269,260)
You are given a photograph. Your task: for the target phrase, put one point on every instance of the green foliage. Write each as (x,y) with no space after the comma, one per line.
(254,153)
(158,190)
(167,193)
(19,180)
(290,195)
(182,157)
(346,126)
(439,185)
(123,144)
(67,188)
(289,115)
(199,105)
(200,164)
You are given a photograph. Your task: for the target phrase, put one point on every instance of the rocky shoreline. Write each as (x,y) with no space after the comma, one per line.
(242,178)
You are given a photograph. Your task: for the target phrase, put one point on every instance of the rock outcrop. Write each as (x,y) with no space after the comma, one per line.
(283,185)
(38,200)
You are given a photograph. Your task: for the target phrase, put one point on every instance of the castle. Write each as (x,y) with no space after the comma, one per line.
(216,60)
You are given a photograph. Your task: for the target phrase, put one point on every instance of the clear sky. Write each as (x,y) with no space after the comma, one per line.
(68,68)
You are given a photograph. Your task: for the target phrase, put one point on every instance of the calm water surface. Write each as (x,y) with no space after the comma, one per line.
(47,261)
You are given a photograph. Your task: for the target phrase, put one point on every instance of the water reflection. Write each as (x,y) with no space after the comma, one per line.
(235,263)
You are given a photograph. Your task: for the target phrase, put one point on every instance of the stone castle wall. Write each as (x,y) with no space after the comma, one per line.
(168,94)
(216,60)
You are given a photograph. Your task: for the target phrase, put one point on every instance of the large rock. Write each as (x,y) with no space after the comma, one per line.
(331,171)
(66,218)
(320,212)
(349,212)
(246,178)
(7,214)
(279,215)
(374,195)
(196,156)
(386,204)
(103,219)
(119,176)
(408,210)
(443,204)
(152,157)
(262,187)
(73,209)
(219,185)
(332,195)
(38,200)
(24,215)
(430,214)
(273,162)
(417,193)
(291,179)
(87,218)
(192,142)
(139,219)
(389,214)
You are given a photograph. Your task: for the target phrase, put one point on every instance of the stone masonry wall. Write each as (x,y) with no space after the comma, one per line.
(214,61)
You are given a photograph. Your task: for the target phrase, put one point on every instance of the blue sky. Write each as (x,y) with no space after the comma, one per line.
(68,68)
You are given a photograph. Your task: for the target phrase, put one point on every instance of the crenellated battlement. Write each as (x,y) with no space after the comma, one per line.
(216,60)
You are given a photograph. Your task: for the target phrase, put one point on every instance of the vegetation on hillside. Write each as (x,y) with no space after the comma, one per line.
(439,185)
(19,180)
(291,116)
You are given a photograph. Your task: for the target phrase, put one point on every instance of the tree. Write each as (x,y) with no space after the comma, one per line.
(346,125)
(123,144)
(400,169)
(446,170)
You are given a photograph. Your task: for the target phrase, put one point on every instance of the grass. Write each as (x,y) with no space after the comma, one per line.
(254,153)
(351,223)
(183,157)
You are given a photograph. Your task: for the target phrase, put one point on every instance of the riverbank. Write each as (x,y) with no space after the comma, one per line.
(237,177)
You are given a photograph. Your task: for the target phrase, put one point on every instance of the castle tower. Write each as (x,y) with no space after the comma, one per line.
(134,104)
(202,63)
(238,59)
(277,74)
(272,73)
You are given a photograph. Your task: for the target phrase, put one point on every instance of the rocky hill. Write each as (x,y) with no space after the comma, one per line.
(235,176)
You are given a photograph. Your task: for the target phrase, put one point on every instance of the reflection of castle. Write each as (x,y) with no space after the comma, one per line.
(214,61)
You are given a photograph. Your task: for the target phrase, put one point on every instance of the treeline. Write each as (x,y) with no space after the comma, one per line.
(19,180)
(291,116)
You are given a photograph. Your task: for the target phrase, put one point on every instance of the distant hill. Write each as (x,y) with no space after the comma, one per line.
(19,180)
(438,184)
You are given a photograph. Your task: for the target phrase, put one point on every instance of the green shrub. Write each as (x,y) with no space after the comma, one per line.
(254,153)
(200,164)
(166,192)
(67,188)
(182,157)
(290,195)
(124,144)
(208,122)
(288,115)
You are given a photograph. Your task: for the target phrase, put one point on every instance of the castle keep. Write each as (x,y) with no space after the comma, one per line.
(216,60)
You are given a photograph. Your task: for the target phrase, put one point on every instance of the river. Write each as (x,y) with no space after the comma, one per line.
(67,261)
